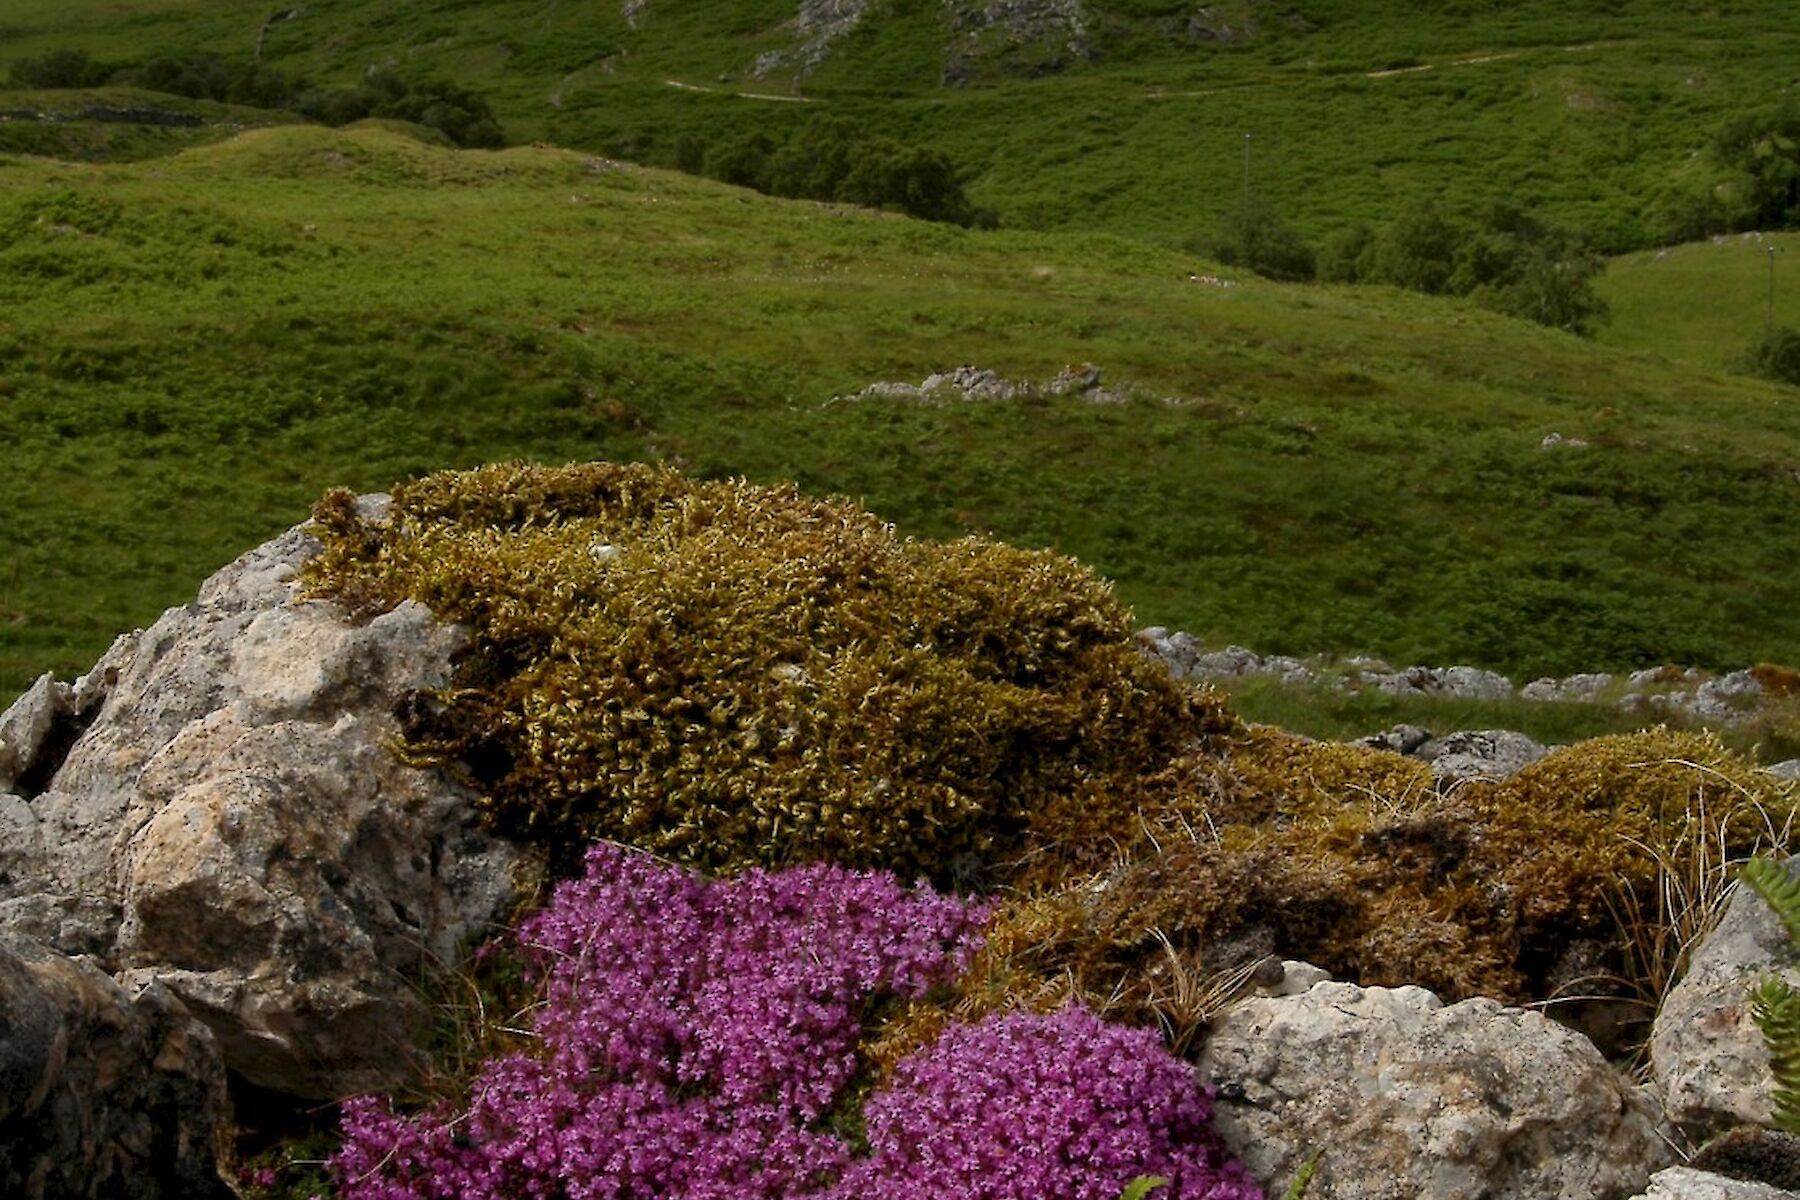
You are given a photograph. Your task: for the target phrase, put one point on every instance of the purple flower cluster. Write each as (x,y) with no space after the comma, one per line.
(695,1033)
(1029,1107)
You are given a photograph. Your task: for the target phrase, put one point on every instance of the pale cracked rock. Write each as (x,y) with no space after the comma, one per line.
(1705,1049)
(234,823)
(1403,1097)
(1685,1183)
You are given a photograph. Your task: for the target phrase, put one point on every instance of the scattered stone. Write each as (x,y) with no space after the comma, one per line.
(1553,441)
(1787,768)
(1406,1098)
(1706,1051)
(107,1089)
(1401,739)
(1229,663)
(1584,687)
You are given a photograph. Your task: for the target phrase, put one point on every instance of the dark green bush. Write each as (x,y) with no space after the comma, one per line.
(833,159)
(59,69)
(1506,259)
(1257,239)
(1776,354)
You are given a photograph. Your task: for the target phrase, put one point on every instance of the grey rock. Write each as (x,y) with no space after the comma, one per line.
(1706,1052)
(234,822)
(1228,663)
(1787,768)
(26,727)
(1685,1183)
(1297,978)
(1479,754)
(1401,739)
(1409,1098)
(107,1089)
(1575,687)
(1473,683)
(1075,378)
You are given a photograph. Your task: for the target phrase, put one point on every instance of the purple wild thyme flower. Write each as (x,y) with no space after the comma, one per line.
(696,1034)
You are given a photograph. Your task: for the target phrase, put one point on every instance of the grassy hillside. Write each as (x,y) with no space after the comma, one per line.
(1356,108)
(191,349)
(1702,303)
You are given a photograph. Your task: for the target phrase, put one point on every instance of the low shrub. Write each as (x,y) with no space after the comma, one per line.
(731,674)
(1775,354)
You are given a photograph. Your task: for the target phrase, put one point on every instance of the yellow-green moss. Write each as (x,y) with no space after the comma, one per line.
(731,674)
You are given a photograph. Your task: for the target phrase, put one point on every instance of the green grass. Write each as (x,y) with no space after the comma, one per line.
(1591,113)
(1702,303)
(192,349)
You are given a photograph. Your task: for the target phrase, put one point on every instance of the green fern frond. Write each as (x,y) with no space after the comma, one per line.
(1142,1186)
(1776,1009)
(1297,1189)
(1782,890)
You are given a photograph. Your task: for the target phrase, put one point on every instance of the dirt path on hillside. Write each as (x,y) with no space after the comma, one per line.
(769,96)
(1389,72)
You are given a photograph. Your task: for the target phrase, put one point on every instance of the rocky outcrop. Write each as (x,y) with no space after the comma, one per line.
(1660,692)
(1705,1048)
(107,1089)
(817,27)
(1455,757)
(229,820)
(1399,1097)
(971,384)
(980,29)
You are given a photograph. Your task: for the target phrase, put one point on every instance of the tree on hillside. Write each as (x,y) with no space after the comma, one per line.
(1258,239)
(1763,153)
(1417,251)
(1506,259)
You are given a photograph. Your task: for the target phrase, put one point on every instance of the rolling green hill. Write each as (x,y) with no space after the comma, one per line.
(192,348)
(1128,119)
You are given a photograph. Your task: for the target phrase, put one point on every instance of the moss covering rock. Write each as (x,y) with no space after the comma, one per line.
(1580,879)
(729,674)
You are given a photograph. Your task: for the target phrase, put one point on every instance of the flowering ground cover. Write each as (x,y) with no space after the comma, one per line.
(698,1041)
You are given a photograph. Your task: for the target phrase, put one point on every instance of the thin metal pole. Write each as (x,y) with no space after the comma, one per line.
(1769,326)
(1246,175)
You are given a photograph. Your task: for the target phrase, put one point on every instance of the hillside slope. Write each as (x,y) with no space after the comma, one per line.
(192,348)
(1125,115)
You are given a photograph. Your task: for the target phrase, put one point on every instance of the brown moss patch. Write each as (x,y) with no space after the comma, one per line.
(1587,874)
(730,674)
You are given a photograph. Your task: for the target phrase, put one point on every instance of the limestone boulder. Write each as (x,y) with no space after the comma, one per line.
(1401,1096)
(218,804)
(107,1089)
(1706,1052)
(1685,1183)
(1479,754)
